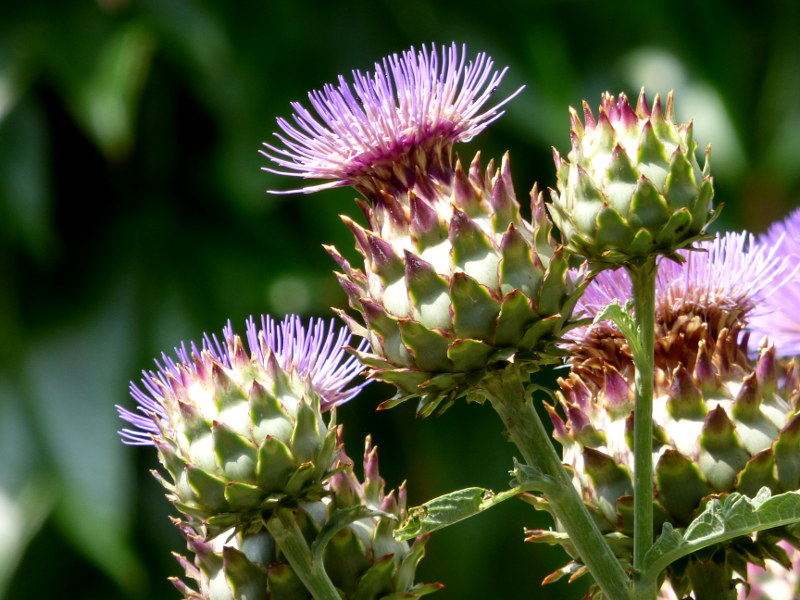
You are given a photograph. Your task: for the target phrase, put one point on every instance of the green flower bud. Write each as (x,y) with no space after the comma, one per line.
(237,434)
(631,186)
(362,558)
(456,284)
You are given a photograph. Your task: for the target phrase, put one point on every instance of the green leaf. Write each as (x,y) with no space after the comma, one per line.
(721,521)
(108,99)
(27,492)
(463,504)
(23,510)
(530,478)
(624,321)
(441,512)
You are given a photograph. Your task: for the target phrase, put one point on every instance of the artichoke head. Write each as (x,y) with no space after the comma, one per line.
(631,186)
(722,423)
(456,283)
(361,557)
(238,436)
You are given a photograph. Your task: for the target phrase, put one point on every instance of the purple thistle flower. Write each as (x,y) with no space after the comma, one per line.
(423,99)
(315,354)
(732,273)
(779,318)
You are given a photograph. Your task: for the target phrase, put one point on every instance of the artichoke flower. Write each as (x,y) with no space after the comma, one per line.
(362,558)
(457,287)
(455,283)
(239,433)
(724,421)
(410,110)
(779,317)
(631,186)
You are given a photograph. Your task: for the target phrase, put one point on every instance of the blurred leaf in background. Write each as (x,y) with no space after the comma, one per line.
(133,215)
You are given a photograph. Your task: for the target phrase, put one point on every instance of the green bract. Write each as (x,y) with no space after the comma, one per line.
(351,528)
(631,186)
(455,283)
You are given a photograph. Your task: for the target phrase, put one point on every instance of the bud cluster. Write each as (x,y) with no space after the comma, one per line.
(243,440)
(461,294)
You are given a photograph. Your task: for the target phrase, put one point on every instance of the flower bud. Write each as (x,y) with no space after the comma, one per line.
(362,558)
(630,186)
(238,433)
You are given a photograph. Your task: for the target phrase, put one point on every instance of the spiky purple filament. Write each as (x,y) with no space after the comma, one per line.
(412,100)
(315,354)
(779,318)
(732,273)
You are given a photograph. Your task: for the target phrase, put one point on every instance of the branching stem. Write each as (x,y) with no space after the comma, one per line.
(292,543)
(507,394)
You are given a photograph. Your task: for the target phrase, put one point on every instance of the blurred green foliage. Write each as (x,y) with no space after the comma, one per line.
(133,215)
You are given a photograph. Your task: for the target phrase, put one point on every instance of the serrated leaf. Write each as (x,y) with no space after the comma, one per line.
(624,322)
(721,521)
(459,505)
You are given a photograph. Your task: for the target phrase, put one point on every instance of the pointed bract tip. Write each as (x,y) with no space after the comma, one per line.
(669,112)
(642,109)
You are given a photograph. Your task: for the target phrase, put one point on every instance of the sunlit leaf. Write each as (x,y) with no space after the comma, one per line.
(462,504)
(721,521)
(108,100)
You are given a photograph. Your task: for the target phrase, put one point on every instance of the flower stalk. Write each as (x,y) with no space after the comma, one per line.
(644,293)
(509,398)
(293,544)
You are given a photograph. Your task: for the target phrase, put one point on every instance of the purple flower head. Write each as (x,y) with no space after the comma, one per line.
(779,318)
(416,100)
(732,273)
(315,355)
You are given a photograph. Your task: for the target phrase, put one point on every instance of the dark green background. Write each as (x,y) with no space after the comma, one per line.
(133,215)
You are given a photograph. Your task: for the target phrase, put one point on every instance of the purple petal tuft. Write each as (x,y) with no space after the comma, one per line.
(316,354)
(410,100)
(779,318)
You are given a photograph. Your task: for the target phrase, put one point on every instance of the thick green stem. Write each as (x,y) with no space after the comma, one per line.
(506,392)
(644,289)
(292,543)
